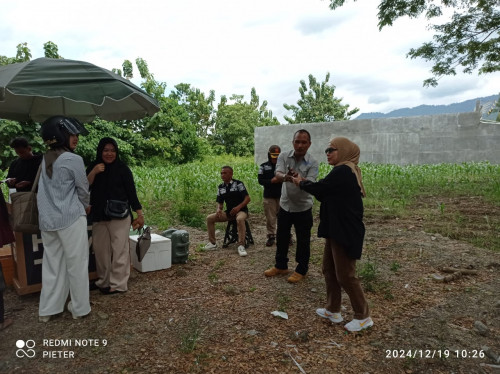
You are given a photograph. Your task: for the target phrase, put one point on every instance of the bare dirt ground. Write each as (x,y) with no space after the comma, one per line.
(213,314)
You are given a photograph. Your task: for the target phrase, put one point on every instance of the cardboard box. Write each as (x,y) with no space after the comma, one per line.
(158,256)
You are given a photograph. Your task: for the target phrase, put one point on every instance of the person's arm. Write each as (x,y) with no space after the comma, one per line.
(23,184)
(220,210)
(312,171)
(10,180)
(138,222)
(97,169)
(261,178)
(220,203)
(281,173)
(240,206)
(75,165)
(330,185)
(129,184)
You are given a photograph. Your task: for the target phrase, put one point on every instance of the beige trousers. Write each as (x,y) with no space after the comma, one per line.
(112,254)
(240,224)
(271,209)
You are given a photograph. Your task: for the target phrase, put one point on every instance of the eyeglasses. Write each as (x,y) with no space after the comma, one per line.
(330,150)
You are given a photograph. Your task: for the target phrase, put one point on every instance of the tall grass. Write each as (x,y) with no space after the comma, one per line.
(186,193)
(394,187)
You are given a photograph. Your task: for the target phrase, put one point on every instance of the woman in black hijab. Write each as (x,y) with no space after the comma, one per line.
(341,224)
(112,198)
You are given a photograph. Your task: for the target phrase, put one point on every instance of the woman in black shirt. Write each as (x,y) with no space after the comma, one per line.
(341,224)
(112,188)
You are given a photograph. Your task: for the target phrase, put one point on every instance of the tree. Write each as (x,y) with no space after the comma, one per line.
(51,50)
(471,38)
(318,104)
(133,147)
(235,123)
(170,134)
(200,109)
(496,108)
(27,129)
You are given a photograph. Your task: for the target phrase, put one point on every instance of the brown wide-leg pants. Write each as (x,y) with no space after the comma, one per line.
(340,273)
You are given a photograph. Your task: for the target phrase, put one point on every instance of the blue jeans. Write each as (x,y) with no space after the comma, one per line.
(303,222)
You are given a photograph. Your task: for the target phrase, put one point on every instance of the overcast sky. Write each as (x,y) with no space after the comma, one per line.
(231,46)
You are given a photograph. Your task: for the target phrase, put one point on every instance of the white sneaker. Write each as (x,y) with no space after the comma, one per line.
(334,317)
(359,324)
(210,246)
(241,251)
(44,319)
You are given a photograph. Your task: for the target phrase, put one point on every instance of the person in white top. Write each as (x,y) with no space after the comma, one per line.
(63,202)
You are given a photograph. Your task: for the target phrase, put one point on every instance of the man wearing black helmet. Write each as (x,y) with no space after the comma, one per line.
(63,201)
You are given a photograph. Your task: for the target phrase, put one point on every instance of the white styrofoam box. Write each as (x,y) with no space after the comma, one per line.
(158,256)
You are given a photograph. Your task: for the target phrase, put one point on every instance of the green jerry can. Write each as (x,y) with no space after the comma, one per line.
(180,245)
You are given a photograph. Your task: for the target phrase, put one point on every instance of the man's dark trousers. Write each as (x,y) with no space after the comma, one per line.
(303,222)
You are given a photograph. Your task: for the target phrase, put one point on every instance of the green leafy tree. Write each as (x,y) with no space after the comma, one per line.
(23,54)
(133,147)
(235,124)
(318,104)
(199,107)
(470,39)
(171,133)
(51,50)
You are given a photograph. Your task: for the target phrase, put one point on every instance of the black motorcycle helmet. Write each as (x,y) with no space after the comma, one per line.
(57,129)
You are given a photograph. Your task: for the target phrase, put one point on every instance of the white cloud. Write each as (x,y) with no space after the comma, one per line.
(231,46)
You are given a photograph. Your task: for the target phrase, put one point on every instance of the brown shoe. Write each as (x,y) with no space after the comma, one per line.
(295,277)
(275,271)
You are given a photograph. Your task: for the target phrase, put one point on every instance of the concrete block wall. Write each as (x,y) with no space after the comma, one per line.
(443,138)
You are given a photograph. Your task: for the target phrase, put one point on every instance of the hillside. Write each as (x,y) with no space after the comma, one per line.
(426,110)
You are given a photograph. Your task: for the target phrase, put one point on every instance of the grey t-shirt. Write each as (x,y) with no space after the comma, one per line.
(293,199)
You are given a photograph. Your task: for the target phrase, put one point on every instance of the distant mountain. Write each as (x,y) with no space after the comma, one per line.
(427,110)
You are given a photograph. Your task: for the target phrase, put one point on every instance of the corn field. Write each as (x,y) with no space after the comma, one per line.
(186,193)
